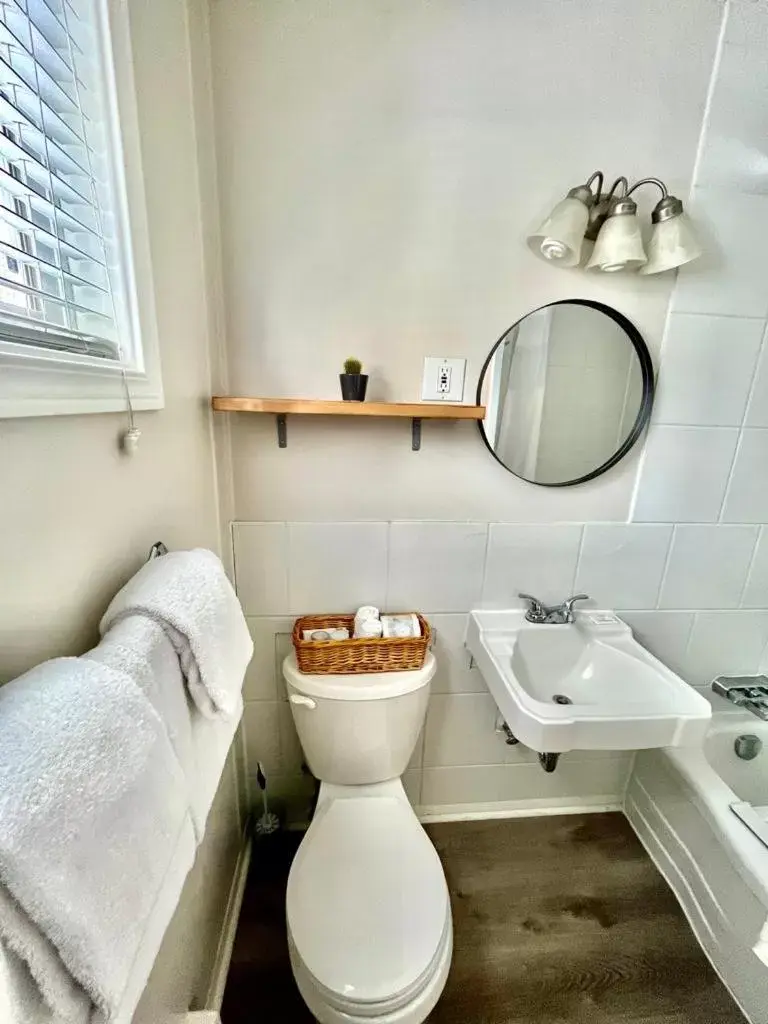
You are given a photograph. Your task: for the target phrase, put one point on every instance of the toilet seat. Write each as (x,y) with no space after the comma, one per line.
(367,905)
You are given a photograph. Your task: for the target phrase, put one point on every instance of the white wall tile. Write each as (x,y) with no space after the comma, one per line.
(435,565)
(708,363)
(747,27)
(539,560)
(756,591)
(599,781)
(261,677)
(707,566)
(417,757)
(290,796)
(664,634)
(621,566)
(453,673)
(684,474)
(461,730)
(291,754)
(261,729)
(283,647)
(729,279)
(412,785)
(261,567)
(757,411)
(336,567)
(270,737)
(747,498)
(734,151)
(725,643)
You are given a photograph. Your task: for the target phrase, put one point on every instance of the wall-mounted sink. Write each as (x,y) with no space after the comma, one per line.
(587,685)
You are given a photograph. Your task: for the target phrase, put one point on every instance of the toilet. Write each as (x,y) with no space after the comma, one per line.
(370,934)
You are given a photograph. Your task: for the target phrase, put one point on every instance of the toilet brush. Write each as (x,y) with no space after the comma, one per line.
(268,822)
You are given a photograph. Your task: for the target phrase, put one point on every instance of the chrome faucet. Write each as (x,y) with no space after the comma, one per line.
(557,615)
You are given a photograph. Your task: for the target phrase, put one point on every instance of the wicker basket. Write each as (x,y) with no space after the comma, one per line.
(347,657)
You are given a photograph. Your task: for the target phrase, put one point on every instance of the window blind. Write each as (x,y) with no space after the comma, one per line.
(60,273)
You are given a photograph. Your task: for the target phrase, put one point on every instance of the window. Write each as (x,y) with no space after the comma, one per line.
(67,294)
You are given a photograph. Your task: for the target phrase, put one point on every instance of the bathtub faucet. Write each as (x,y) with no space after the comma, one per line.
(750,692)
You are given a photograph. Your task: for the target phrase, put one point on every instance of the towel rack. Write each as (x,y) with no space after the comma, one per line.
(157,549)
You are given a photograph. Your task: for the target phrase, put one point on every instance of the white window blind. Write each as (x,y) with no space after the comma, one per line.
(62,263)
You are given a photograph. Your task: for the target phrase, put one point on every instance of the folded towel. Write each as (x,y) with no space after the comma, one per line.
(20,999)
(45,987)
(139,647)
(93,807)
(189,595)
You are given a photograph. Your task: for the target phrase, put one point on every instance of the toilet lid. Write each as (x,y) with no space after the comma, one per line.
(367,902)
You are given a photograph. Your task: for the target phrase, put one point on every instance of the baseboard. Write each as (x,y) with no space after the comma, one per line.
(514,809)
(227,939)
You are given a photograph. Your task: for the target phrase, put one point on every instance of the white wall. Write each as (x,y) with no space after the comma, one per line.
(78,518)
(380,165)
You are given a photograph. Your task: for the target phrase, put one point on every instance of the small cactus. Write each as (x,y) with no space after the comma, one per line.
(353,366)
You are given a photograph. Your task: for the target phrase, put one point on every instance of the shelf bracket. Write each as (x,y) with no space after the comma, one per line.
(282,430)
(416,434)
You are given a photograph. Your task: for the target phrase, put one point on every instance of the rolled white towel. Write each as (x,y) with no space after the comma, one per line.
(367,629)
(367,612)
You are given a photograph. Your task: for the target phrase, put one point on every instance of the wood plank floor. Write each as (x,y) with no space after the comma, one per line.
(557,921)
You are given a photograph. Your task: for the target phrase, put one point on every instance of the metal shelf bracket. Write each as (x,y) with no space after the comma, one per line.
(282,430)
(416,434)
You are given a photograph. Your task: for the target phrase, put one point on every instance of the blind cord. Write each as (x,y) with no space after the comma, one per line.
(129,439)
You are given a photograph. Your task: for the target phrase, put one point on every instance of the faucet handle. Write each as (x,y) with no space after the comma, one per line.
(567,606)
(536,610)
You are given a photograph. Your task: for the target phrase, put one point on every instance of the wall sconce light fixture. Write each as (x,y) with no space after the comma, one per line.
(610,221)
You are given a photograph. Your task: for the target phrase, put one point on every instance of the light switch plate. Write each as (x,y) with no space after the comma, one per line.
(443,379)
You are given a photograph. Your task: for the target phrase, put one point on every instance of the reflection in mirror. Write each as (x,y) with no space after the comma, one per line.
(568,391)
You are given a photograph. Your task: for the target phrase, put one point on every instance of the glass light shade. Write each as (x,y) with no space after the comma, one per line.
(673,243)
(619,245)
(559,238)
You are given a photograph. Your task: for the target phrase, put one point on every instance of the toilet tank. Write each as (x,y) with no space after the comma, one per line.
(358,729)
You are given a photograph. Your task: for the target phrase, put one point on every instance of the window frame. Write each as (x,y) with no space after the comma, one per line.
(42,382)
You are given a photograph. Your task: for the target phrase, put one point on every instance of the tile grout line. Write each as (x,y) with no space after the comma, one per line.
(665,570)
(729,478)
(485,560)
(665,566)
(287,558)
(750,565)
(579,553)
(761,352)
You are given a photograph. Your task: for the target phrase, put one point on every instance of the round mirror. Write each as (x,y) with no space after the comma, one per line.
(568,390)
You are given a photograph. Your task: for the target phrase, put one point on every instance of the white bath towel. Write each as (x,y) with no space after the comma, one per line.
(188,593)
(140,647)
(93,807)
(20,998)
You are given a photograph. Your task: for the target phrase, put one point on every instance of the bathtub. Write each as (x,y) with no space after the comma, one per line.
(679,803)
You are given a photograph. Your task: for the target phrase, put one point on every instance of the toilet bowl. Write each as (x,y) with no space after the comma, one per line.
(369,920)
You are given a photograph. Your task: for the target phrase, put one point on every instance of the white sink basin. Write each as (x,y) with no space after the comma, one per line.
(620,696)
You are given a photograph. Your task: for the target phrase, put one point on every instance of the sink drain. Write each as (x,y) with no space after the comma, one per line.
(560,698)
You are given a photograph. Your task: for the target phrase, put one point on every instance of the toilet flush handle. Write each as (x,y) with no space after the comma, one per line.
(305,702)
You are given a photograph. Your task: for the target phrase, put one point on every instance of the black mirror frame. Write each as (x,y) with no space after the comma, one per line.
(646,403)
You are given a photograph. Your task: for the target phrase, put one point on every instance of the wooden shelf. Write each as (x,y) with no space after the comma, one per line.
(316,407)
(414,411)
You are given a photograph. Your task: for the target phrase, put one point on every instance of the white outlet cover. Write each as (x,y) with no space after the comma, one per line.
(451,371)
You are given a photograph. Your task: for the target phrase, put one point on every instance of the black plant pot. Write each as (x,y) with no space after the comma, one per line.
(353,386)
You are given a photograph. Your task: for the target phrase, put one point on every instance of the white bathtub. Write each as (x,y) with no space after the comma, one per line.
(678,801)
